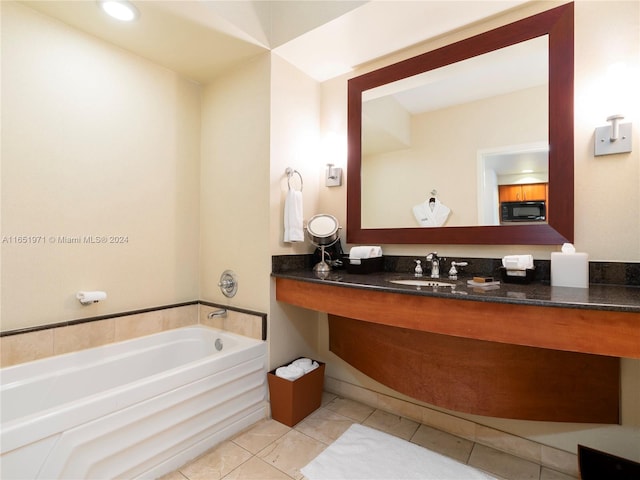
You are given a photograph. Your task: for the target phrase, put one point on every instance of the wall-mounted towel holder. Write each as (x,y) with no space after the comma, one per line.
(290,172)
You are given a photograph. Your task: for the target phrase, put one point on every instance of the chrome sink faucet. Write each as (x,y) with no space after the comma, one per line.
(435,264)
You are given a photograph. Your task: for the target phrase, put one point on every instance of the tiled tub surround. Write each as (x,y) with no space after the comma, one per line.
(42,342)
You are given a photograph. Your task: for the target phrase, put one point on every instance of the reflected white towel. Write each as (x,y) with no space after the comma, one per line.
(293,217)
(431,214)
(290,372)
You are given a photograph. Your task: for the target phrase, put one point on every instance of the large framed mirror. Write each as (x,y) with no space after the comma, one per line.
(406,146)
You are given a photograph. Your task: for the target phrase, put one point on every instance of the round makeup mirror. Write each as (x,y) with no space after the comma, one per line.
(322,230)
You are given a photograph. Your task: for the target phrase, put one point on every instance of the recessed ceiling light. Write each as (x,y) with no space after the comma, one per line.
(527,171)
(119,9)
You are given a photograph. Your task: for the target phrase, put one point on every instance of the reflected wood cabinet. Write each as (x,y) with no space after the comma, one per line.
(521,193)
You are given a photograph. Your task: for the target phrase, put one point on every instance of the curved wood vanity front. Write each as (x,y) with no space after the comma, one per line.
(503,359)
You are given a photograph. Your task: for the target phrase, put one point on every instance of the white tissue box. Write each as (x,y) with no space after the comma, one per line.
(570,270)
(292,401)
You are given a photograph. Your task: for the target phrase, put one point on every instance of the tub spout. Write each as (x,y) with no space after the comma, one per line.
(220,313)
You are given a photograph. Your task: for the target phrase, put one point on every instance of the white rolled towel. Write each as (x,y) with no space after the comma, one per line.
(306,364)
(290,372)
(517,262)
(356,254)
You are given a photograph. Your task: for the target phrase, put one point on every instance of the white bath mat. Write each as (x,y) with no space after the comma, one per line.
(362,453)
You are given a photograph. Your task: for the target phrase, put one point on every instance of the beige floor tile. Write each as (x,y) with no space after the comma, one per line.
(328,398)
(173,476)
(217,463)
(548,474)
(324,425)
(444,443)
(261,435)
(349,408)
(291,452)
(393,424)
(256,469)
(503,464)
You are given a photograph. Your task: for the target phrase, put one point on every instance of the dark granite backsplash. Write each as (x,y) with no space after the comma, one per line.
(609,273)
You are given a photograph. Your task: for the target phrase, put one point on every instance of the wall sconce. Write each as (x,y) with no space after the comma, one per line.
(612,139)
(334,176)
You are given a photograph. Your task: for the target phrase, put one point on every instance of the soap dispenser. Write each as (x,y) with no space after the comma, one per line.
(418,269)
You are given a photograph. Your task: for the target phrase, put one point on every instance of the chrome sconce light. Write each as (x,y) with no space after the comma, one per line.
(334,176)
(614,138)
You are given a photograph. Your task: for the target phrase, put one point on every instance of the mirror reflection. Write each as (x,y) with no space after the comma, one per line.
(460,145)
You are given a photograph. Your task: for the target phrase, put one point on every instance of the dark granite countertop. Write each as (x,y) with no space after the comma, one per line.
(596,297)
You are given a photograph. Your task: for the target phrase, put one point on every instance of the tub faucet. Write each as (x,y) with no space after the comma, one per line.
(435,264)
(220,313)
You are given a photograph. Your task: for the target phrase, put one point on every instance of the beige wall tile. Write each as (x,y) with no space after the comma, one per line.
(509,443)
(400,407)
(235,322)
(133,326)
(560,460)
(354,392)
(26,347)
(179,316)
(84,335)
(449,423)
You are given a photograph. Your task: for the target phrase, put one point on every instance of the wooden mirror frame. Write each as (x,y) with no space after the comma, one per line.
(557,23)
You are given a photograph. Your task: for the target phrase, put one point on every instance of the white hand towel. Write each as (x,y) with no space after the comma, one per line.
(293,217)
(431,214)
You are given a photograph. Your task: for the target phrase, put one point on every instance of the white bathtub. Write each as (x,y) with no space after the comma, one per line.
(133,409)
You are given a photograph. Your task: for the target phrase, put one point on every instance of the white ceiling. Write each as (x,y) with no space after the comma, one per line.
(324,38)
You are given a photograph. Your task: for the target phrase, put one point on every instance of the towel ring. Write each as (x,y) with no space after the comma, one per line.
(290,172)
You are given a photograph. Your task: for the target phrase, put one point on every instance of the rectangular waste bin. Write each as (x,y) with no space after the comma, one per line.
(293,400)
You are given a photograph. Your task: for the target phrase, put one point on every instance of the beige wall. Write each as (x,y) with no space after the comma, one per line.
(607,192)
(294,143)
(95,142)
(235,185)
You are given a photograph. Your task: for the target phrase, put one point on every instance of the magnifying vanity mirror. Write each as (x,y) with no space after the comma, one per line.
(462,120)
(322,230)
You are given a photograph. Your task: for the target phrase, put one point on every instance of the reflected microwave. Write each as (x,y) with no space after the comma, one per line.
(532,211)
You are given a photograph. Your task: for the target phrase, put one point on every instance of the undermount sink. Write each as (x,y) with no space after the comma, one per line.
(422,283)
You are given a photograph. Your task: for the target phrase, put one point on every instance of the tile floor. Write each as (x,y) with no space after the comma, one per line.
(272,451)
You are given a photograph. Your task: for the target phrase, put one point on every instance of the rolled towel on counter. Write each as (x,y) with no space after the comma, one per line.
(368,251)
(517,262)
